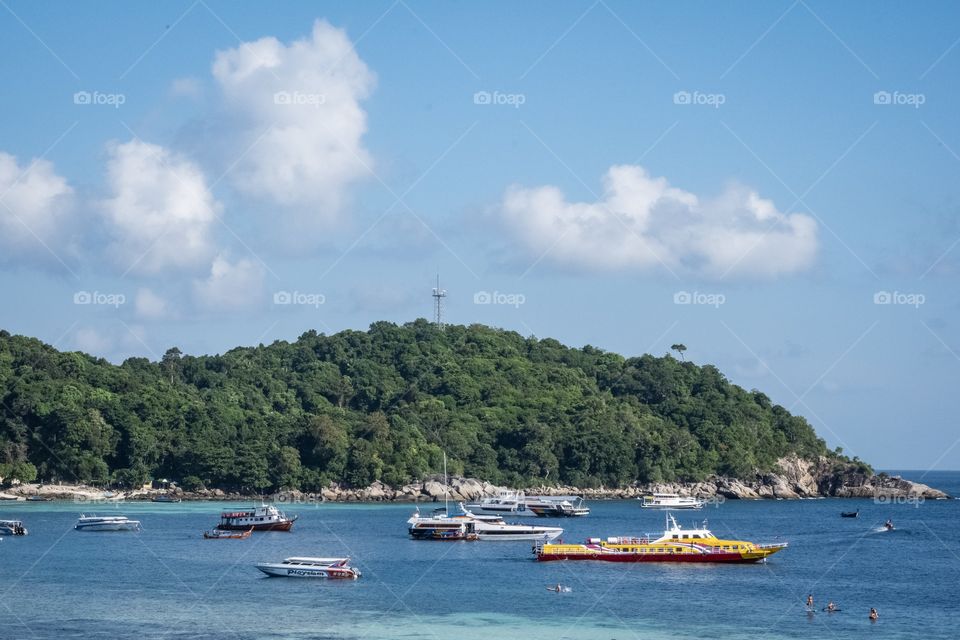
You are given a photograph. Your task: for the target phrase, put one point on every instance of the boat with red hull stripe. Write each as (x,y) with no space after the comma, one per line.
(262,518)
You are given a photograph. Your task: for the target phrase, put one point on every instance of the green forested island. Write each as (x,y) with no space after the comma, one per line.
(384,404)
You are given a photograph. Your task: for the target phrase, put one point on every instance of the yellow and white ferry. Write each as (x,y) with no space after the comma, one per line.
(675,545)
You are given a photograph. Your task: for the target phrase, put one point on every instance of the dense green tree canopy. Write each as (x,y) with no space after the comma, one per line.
(384,405)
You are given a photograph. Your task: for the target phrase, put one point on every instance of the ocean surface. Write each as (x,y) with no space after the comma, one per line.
(168,582)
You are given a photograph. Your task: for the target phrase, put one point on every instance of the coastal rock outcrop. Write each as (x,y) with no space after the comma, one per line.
(793,478)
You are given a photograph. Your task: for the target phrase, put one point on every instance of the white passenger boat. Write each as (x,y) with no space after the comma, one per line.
(465,525)
(12,528)
(106,523)
(306,567)
(558,506)
(516,504)
(669,501)
(264,517)
(505,503)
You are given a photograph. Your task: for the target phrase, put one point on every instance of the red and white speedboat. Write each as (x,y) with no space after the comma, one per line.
(266,517)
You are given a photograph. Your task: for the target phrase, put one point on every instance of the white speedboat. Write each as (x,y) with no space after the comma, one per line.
(12,528)
(303,567)
(106,523)
(669,501)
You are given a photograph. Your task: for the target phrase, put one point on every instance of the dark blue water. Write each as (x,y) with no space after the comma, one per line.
(168,582)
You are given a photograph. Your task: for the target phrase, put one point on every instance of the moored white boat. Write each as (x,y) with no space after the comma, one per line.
(669,501)
(265,517)
(518,504)
(12,528)
(309,567)
(465,525)
(106,523)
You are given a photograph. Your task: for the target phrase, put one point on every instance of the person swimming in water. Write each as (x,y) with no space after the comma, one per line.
(831,607)
(873,614)
(810,601)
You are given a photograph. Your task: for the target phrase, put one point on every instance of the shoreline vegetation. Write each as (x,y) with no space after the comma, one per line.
(374,415)
(797,479)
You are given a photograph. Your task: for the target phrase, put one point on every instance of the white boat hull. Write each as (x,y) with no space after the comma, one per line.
(517,532)
(109,526)
(289,571)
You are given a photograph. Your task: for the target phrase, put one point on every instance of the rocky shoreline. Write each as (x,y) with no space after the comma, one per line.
(796,479)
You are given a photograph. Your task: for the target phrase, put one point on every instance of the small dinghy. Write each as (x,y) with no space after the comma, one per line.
(850,514)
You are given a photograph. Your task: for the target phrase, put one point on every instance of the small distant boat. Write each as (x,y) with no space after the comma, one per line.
(164,498)
(669,501)
(850,514)
(106,523)
(218,534)
(263,518)
(310,568)
(12,528)
(38,499)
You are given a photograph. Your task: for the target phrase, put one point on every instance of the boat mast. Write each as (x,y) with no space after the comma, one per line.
(446,489)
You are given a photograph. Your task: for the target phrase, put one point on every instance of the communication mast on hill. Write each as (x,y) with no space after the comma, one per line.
(438,296)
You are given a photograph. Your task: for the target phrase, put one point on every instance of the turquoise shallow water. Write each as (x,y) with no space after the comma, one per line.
(168,582)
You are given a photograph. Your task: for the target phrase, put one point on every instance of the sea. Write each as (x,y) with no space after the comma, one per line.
(168,582)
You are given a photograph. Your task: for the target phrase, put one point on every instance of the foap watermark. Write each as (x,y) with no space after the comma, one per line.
(299,298)
(899,297)
(898,98)
(299,98)
(496,297)
(97,98)
(714,501)
(499,98)
(911,499)
(697,297)
(99,298)
(700,98)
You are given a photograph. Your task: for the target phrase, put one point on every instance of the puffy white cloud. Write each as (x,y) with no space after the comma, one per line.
(642,222)
(306,97)
(235,285)
(161,212)
(35,205)
(148,304)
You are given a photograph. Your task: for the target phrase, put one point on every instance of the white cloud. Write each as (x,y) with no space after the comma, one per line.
(148,304)
(161,211)
(229,286)
(186,87)
(643,223)
(306,97)
(91,341)
(35,204)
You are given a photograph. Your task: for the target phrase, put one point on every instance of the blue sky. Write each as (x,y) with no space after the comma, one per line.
(167,171)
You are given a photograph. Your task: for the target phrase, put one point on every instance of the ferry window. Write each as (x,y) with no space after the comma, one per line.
(675,536)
